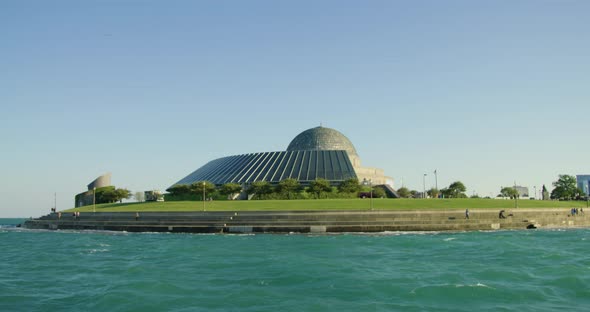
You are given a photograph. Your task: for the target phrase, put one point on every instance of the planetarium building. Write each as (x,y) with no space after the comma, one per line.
(315,153)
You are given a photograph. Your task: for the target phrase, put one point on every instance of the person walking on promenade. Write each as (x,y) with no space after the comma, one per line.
(466,213)
(136,216)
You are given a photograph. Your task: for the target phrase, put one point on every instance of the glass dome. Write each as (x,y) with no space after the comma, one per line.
(323,139)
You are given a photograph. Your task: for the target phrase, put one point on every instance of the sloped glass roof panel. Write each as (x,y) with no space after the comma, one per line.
(305,166)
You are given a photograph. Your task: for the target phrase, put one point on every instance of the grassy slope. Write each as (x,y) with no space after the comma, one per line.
(331,204)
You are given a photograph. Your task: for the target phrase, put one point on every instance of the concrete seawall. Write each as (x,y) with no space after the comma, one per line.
(311,221)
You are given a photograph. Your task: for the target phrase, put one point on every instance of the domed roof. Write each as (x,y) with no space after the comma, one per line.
(323,139)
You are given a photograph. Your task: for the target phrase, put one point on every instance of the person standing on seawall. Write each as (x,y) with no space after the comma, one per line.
(466,213)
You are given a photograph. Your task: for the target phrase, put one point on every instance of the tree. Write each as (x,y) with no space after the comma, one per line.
(433,192)
(108,196)
(378,192)
(566,188)
(403,192)
(289,186)
(179,189)
(457,190)
(121,194)
(509,192)
(260,188)
(230,189)
(139,196)
(198,187)
(319,186)
(351,185)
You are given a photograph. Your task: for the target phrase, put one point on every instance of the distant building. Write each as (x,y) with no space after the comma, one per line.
(545,193)
(314,153)
(584,183)
(87,198)
(154,195)
(523,191)
(102,181)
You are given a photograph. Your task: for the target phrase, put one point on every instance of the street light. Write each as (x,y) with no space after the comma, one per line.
(424,186)
(516,195)
(587,195)
(94,200)
(203,195)
(370,184)
(371,198)
(435,180)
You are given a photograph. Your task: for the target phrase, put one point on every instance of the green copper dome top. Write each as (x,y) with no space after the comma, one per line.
(322,139)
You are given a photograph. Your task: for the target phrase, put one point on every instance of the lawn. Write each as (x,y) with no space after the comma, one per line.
(331,204)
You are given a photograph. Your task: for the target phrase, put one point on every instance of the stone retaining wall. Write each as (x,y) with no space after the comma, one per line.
(311,221)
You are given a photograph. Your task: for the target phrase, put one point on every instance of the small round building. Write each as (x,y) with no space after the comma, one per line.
(314,153)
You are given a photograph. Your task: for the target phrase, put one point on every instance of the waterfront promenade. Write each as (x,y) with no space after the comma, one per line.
(312,221)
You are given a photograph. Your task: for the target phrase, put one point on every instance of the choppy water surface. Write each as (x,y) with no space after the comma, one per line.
(537,270)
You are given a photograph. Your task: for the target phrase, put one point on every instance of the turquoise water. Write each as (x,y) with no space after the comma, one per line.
(536,270)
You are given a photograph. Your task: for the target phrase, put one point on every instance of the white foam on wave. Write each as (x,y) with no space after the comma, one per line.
(448,239)
(474,285)
(70,231)
(398,233)
(91,251)
(483,285)
(478,284)
(384,233)
(501,230)
(239,234)
(21,229)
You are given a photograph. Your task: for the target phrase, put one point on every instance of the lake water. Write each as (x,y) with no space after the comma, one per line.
(534,270)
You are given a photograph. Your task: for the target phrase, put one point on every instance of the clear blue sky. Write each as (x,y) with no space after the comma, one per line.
(487,92)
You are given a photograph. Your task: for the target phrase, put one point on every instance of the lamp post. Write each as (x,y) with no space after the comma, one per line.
(371,196)
(516,195)
(203,195)
(94,200)
(424,186)
(435,180)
